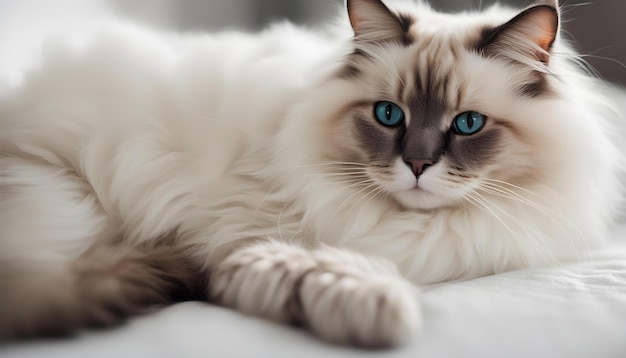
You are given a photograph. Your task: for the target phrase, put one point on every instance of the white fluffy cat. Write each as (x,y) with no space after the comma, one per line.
(305,176)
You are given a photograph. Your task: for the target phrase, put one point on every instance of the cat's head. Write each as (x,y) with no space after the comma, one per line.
(442,105)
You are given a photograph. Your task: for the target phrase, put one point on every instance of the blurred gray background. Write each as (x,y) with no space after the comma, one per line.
(598,27)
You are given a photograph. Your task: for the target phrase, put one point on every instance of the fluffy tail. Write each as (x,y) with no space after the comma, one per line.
(102,288)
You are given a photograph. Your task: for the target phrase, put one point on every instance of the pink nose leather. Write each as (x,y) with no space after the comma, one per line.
(419,165)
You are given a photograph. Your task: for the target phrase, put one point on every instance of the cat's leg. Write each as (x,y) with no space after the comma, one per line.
(341,296)
(101,288)
(61,268)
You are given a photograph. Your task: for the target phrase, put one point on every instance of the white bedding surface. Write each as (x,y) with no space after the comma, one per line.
(574,311)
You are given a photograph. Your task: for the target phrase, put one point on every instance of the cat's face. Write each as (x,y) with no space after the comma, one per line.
(443,102)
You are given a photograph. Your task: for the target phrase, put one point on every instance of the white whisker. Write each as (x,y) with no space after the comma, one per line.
(475,199)
(552,212)
(493,209)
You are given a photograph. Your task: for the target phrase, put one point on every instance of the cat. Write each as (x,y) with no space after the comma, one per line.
(312,177)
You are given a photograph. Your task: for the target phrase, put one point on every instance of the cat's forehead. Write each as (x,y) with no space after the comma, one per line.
(432,30)
(444,32)
(430,68)
(423,75)
(425,21)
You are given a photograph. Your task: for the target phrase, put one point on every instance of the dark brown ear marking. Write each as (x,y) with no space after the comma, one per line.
(350,69)
(372,21)
(405,22)
(536,87)
(536,27)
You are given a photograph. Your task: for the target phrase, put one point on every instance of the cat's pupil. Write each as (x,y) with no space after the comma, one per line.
(470,122)
(388,110)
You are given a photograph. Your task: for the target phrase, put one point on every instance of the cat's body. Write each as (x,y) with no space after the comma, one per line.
(140,165)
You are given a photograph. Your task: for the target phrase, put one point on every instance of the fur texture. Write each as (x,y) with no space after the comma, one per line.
(136,165)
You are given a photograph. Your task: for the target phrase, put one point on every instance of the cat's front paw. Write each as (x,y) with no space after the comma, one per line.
(342,296)
(360,308)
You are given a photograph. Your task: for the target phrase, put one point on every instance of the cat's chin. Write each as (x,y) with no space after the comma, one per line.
(420,199)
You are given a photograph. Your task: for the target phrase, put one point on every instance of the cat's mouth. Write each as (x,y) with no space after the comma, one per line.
(419,197)
(419,189)
(417,186)
(422,193)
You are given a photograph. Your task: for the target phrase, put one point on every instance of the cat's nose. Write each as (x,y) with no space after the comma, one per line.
(418,165)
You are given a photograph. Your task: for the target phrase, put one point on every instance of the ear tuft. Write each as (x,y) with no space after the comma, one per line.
(531,33)
(372,21)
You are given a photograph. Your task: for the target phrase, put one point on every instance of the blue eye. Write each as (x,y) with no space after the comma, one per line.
(469,123)
(388,114)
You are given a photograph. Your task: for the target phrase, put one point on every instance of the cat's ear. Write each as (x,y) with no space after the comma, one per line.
(372,21)
(530,34)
